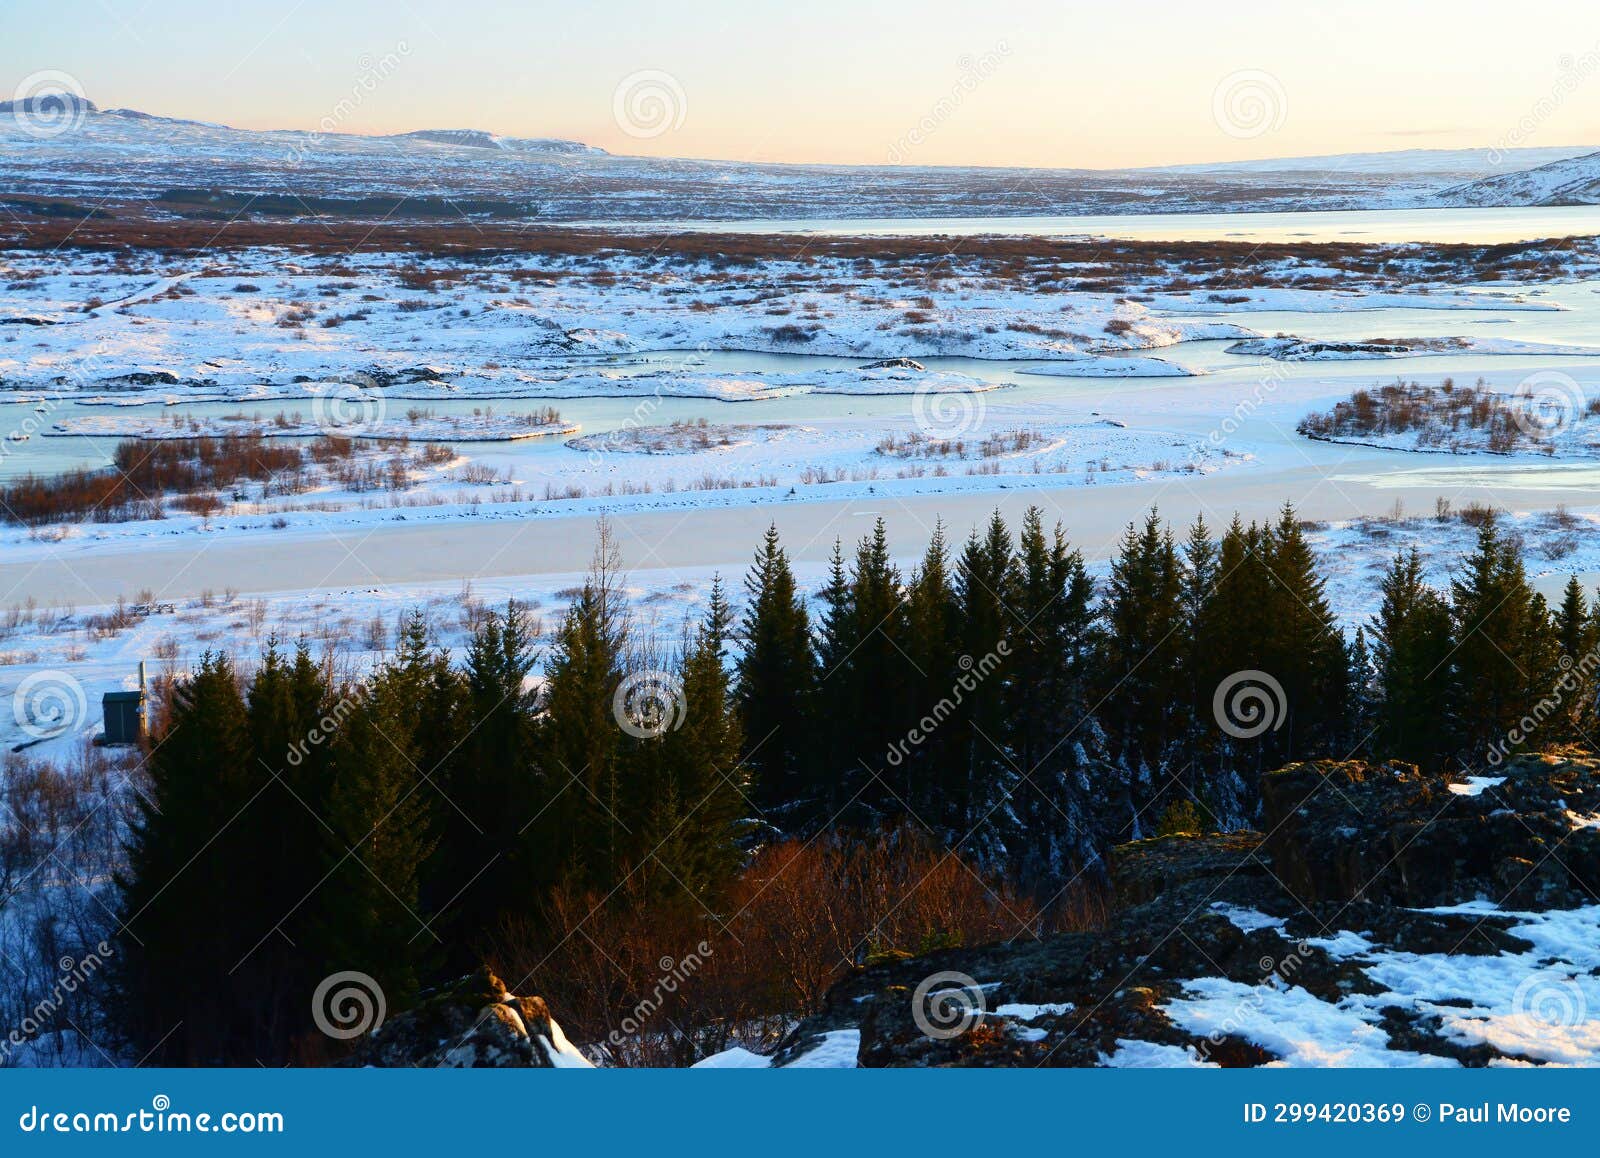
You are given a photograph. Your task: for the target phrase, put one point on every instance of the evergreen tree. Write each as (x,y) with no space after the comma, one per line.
(1504,649)
(1143,644)
(776,684)
(864,678)
(922,770)
(289,721)
(983,773)
(579,827)
(379,810)
(1578,642)
(699,786)
(837,697)
(1051,737)
(498,787)
(1307,652)
(183,931)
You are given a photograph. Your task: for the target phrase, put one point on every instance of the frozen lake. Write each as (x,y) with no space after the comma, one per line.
(691,529)
(1489,225)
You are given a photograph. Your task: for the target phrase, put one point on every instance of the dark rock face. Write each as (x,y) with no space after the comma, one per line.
(1389,833)
(472,1024)
(1352,850)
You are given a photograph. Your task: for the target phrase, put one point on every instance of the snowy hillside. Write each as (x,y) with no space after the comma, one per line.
(1572,181)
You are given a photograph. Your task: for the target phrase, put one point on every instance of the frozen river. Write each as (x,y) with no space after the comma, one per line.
(696,530)
(1486,225)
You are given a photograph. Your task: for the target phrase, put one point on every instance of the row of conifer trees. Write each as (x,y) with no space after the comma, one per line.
(298,822)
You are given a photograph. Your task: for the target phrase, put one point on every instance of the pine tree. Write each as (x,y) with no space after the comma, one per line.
(578,826)
(1230,635)
(1504,650)
(1359,712)
(700,786)
(1051,738)
(1578,641)
(290,722)
(776,686)
(923,762)
(1308,654)
(177,994)
(1143,644)
(838,699)
(865,683)
(379,809)
(497,787)
(983,774)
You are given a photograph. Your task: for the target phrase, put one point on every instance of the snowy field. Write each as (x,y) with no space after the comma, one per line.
(699,400)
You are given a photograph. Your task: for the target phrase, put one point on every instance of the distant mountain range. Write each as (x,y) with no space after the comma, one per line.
(61,147)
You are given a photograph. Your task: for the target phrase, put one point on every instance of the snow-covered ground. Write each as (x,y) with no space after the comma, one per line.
(1530,1005)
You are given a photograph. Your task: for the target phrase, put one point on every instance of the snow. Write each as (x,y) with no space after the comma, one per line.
(1246,920)
(1023,1011)
(736,1058)
(562,1053)
(836,1051)
(1474,785)
(1565,181)
(1300,1029)
(1342,944)
(1145,1055)
(1533,1005)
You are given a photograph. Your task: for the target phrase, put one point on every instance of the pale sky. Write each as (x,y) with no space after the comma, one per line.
(1002,82)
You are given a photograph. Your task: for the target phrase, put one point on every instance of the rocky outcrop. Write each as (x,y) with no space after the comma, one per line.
(1389,833)
(1322,942)
(474,1023)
